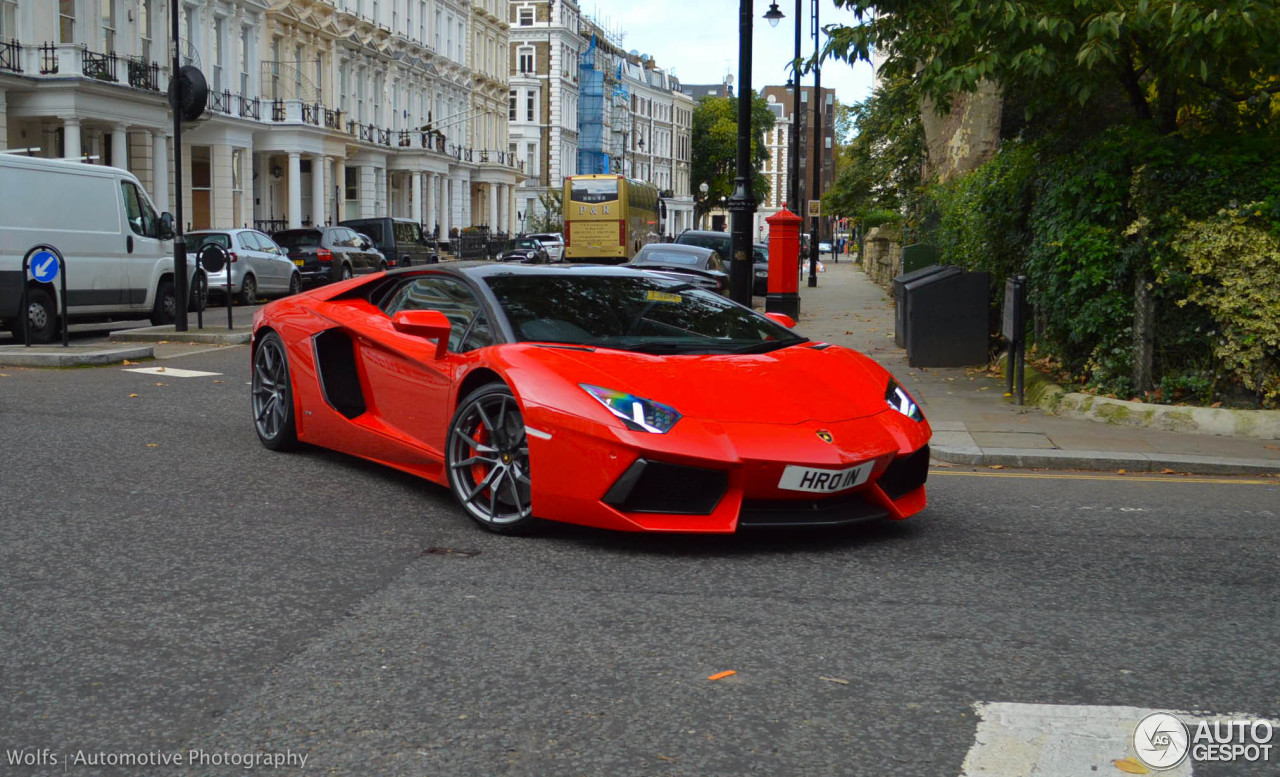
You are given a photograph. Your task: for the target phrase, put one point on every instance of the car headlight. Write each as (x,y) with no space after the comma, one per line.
(897,398)
(638,413)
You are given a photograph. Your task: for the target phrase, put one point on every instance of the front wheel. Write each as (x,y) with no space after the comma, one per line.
(487,456)
(42,318)
(272,395)
(165,309)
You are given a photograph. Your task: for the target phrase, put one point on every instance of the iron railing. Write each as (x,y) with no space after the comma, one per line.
(277,110)
(48,59)
(98,65)
(270,225)
(250,108)
(142,74)
(332,119)
(10,56)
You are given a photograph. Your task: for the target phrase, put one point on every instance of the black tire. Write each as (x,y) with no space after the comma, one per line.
(407,261)
(248,290)
(295,284)
(382,266)
(345,273)
(271,395)
(42,318)
(487,460)
(199,293)
(165,309)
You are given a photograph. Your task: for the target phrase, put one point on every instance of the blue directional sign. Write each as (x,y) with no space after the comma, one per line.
(44,266)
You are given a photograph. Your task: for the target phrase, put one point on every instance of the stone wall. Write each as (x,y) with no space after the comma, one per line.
(882,256)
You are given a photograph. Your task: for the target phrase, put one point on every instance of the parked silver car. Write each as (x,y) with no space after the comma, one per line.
(553,242)
(258,266)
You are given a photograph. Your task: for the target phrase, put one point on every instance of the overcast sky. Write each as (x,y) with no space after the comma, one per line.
(698,39)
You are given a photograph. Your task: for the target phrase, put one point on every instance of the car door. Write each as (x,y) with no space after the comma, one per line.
(278,268)
(138,260)
(411,390)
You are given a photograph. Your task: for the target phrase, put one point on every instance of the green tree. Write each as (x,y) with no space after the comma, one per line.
(1169,60)
(548,215)
(715,149)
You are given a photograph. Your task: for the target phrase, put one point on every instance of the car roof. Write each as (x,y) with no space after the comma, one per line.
(680,248)
(483,269)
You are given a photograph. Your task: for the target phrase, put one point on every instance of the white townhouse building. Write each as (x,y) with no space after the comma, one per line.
(657,135)
(543,99)
(319,110)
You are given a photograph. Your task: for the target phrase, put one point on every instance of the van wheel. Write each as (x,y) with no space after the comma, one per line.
(165,311)
(42,317)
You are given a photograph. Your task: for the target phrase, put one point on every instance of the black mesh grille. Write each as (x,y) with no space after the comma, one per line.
(829,511)
(905,473)
(657,487)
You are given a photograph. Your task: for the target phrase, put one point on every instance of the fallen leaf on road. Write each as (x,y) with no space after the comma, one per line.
(1216,404)
(1008,393)
(219,381)
(997,466)
(722,675)
(1121,471)
(1268,447)
(834,680)
(126,362)
(162,384)
(1167,471)
(133,396)
(153,445)
(1130,766)
(665,757)
(4,374)
(159,369)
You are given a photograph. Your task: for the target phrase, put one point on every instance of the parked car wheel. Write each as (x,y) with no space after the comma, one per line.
(382,266)
(488,460)
(272,395)
(248,290)
(165,311)
(346,272)
(295,284)
(199,293)
(42,317)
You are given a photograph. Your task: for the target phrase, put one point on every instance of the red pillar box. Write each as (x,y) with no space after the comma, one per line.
(784,267)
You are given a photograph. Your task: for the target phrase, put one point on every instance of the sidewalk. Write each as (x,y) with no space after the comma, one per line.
(975,424)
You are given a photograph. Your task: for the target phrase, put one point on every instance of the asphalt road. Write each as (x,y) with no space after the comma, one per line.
(166,584)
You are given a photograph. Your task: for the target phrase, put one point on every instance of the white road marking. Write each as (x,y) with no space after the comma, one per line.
(172,372)
(1059,740)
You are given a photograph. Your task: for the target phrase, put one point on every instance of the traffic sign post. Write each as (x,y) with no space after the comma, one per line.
(44,264)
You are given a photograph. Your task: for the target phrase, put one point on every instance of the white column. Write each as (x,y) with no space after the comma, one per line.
(511,209)
(295,190)
(71,138)
(430,219)
(446,206)
(120,146)
(415,192)
(160,170)
(493,207)
(318,164)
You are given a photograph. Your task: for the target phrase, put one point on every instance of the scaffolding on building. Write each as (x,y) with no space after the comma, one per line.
(593,157)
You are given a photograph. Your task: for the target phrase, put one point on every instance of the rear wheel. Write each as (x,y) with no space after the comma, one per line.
(42,317)
(346,271)
(487,456)
(295,284)
(165,310)
(248,290)
(272,395)
(199,293)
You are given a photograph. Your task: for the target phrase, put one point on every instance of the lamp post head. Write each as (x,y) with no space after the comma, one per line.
(773,16)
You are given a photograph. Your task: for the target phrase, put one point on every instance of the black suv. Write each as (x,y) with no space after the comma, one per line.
(401,240)
(721,243)
(324,254)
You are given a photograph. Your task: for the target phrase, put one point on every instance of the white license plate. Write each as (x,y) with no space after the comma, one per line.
(824,481)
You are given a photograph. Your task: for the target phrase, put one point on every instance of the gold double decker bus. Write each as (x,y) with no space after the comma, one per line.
(607,218)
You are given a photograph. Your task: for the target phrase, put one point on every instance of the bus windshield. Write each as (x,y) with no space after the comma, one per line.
(592,190)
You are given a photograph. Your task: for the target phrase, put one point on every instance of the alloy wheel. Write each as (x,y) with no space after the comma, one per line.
(488,460)
(272,403)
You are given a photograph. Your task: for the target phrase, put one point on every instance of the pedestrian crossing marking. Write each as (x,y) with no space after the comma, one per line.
(172,372)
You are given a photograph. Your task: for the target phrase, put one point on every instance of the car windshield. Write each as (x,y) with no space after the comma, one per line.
(301,238)
(670,257)
(714,242)
(197,241)
(647,314)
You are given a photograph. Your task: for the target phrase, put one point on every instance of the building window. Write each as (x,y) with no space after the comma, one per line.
(108,25)
(66,21)
(526,17)
(511,113)
(525,56)
(245,52)
(530,104)
(219,30)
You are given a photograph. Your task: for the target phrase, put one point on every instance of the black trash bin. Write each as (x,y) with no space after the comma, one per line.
(900,297)
(947,319)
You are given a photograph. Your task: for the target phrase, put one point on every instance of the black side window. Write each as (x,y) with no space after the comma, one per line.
(451,297)
(142,219)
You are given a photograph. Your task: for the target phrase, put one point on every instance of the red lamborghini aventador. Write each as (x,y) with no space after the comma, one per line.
(602,396)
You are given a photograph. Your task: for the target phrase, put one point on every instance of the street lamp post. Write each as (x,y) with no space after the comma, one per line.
(702,187)
(816,156)
(742,204)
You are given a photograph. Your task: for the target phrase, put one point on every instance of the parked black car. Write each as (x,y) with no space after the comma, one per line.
(721,242)
(527,250)
(693,264)
(325,254)
(402,241)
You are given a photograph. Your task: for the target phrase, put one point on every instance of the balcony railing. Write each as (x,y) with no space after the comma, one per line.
(10,56)
(48,59)
(143,75)
(97,65)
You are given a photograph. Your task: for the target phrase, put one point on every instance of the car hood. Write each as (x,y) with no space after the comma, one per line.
(789,386)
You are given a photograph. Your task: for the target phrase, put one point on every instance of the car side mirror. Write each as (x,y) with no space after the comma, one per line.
(166,226)
(427,324)
(781,318)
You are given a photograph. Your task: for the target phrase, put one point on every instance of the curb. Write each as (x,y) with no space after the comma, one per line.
(167,334)
(1042,392)
(1130,461)
(66,357)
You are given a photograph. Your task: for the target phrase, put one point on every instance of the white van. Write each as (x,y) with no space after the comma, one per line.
(119,253)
